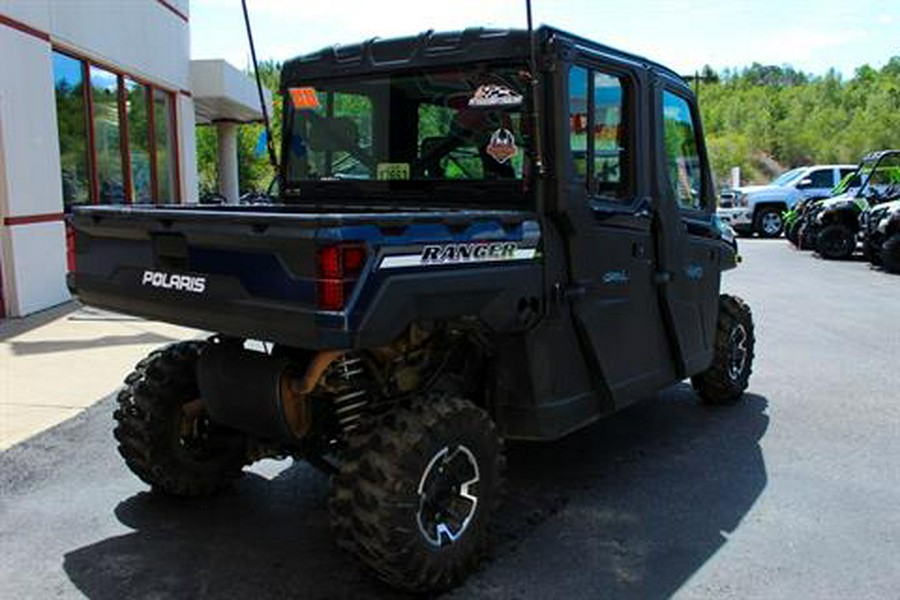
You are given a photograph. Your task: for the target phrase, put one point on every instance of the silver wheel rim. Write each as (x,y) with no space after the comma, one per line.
(447,500)
(738,359)
(771,223)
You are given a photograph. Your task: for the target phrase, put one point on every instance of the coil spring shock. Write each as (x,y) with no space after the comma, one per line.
(351,399)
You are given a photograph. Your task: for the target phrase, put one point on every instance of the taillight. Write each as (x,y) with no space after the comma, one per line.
(339,267)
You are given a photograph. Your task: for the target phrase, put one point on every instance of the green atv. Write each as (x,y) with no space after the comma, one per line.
(793,218)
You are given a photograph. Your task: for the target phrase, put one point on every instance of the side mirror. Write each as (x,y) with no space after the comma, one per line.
(804,183)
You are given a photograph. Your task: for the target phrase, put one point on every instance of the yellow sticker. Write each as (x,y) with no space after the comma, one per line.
(304,98)
(387,171)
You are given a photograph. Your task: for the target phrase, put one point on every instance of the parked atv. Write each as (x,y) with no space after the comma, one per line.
(832,225)
(469,246)
(794,217)
(881,236)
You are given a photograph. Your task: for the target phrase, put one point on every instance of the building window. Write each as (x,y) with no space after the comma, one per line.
(164,138)
(117,136)
(107,136)
(136,95)
(68,75)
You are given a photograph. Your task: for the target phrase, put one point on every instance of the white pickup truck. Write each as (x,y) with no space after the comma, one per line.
(758,208)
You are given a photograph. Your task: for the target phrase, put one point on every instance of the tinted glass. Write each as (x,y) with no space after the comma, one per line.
(107,132)
(823,178)
(439,125)
(136,103)
(610,176)
(165,150)
(578,118)
(73,136)
(682,157)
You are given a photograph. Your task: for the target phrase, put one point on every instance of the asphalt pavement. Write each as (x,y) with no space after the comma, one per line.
(792,493)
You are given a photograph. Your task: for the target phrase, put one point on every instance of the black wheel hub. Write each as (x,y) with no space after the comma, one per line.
(448,495)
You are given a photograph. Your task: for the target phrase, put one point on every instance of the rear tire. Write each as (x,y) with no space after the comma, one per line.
(836,242)
(403,499)
(164,434)
(769,222)
(729,374)
(890,254)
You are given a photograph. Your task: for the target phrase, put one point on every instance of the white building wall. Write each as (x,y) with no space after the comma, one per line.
(143,38)
(187,150)
(33,254)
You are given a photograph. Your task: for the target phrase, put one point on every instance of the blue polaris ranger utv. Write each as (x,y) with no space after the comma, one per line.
(479,236)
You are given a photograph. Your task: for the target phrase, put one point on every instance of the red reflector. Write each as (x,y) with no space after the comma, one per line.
(330,262)
(338,268)
(331,294)
(354,259)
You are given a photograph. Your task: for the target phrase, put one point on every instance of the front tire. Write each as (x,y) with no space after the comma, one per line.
(836,242)
(890,254)
(416,491)
(769,222)
(729,374)
(164,434)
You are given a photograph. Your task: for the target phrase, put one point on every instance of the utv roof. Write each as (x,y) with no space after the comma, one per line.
(879,154)
(443,48)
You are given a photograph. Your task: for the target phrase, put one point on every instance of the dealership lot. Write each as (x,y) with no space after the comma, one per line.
(791,493)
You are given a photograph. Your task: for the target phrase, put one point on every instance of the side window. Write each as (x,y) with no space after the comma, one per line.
(845,172)
(823,178)
(683,165)
(578,119)
(609,151)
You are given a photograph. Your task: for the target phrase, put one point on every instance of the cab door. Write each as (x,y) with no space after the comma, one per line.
(687,237)
(613,292)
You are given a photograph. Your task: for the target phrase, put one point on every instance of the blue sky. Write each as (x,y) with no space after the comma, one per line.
(812,36)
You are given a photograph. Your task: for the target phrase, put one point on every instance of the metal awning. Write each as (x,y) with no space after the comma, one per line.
(223,93)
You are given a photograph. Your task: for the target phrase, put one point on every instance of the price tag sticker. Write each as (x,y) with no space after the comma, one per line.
(388,171)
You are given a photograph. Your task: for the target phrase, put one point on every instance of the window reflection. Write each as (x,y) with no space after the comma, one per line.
(136,103)
(682,158)
(578,119)
(165,151)
(107,140)
(68,78)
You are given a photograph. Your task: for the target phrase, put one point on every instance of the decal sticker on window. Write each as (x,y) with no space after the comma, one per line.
(494,95)
(387,171)
(304,98)
(502,146)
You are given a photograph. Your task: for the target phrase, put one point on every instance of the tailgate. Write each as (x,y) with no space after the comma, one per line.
(256,273)
(249,275)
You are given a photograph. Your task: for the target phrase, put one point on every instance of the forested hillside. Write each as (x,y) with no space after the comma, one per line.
(766,118)
(763,119)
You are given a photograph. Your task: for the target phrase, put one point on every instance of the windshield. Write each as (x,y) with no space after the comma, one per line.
(881,177)
(437,125)
(788,177)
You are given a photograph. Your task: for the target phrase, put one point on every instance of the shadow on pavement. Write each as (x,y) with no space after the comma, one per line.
(50,346)
(632,506)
